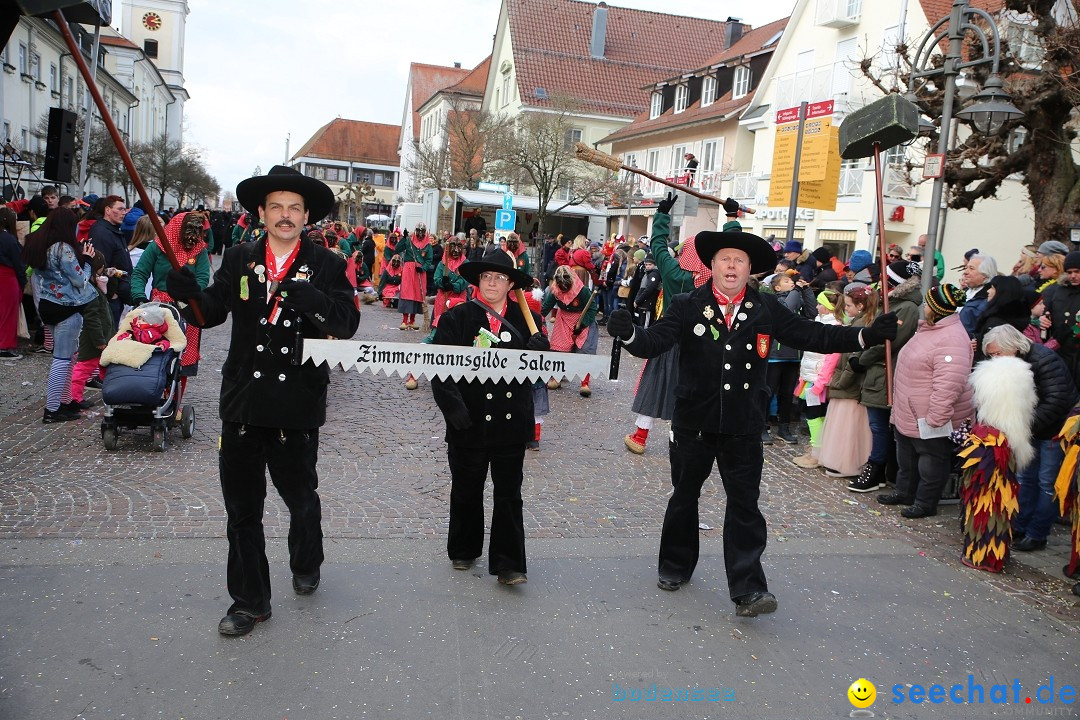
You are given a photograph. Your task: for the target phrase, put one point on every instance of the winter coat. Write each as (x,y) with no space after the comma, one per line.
(722,385)
(973,308)
(109,241)
(1056,390)
(931,378)
(153,263)
(846,383)
(97,328)
(648,291)
(264,381)
(904,301)
(675,279)
(813,362)
(795,301)
(1063,304)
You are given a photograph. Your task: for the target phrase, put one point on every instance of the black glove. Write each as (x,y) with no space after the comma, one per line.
(731,206)
(459,419)
(855,365)
(446,284)
(137,301)
(667,203)
(537,342)
(578,329)
(621,324)
(182,285)
(303,297)
(882,329)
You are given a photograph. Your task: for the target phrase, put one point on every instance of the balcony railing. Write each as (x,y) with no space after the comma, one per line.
(898,183)
(851,181)
(744,186)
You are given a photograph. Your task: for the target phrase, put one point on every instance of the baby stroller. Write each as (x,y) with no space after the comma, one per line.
(141,387)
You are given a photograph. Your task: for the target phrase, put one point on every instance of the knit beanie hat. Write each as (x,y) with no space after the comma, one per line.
(902,270)
(639,255)
(860,260)
(793,246)
(824,301)
(1072,261)
(943,300)
(822,255)
(1053,247)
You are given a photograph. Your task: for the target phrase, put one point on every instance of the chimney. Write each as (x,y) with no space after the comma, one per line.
(457,66)
(734,31)
(599,30)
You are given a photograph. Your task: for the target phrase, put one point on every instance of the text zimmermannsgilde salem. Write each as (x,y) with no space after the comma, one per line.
(452,361)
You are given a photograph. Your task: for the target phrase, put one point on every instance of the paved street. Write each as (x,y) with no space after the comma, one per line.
(115,579)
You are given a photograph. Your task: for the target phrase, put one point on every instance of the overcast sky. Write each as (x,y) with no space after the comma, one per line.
(259,71)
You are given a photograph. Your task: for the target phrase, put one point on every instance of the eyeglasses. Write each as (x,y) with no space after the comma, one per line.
(494,277)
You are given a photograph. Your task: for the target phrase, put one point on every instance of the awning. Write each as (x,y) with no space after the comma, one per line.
(479,198)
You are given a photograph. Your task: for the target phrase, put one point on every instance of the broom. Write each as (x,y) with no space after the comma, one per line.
(595,157)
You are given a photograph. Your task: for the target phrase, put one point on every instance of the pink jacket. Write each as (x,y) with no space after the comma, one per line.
(931,377)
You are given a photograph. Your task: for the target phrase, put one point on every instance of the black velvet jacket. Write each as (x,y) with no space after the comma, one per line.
(263,382)
(722,374)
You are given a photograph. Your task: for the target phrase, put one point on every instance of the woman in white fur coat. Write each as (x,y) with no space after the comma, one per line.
(931,397)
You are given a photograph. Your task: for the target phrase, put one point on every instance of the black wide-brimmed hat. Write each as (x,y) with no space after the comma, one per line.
(496,261)
(762,256)
(318,197)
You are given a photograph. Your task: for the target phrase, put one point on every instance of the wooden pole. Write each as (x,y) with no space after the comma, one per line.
(526,311)
(879,177)
(125,156)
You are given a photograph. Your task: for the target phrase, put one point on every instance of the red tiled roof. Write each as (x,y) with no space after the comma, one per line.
(551,52)
(354,140)
(937,9)
(426,80)
(475,82)
(751,42)
(118,42)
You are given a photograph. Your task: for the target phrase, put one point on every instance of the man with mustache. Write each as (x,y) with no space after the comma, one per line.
(280,290)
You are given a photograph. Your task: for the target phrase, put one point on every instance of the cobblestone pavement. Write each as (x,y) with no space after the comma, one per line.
(384,475)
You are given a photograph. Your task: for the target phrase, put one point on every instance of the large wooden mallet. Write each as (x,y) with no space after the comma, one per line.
(882,124)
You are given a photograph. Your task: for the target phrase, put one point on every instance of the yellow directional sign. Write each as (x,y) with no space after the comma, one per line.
(818,194)
(813,164)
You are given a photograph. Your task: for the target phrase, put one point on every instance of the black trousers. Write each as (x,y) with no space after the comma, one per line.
(290,455)
(923,468)
(739,459)
(782,379)
(468,473)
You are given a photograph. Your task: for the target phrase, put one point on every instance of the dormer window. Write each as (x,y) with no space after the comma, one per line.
(656,106)
(708,90)
(682,95)
(741,84)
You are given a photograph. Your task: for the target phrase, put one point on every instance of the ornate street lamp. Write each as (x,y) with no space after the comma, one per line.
(989,110)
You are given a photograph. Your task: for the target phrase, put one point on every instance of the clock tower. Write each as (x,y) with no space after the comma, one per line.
(158,27)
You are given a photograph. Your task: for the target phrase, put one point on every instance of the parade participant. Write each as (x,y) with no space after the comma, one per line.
(575,317)
(655,393)
(279,291)
(488,423)
(390,249)
(185,236)
(390,282)
(416,260)
(452,289)
(724,330)
(515,247)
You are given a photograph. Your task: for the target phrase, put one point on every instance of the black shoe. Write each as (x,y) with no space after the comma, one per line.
(1029,544)
(1074,575)
(93,383)
(784,431)
(305,584)
(869,479)
(919,511)
(512,577)
(75,407)
(754,604)
(533,445)
(766,438)
(461,564)
(669,585)
(85,404)
(894,498)
(61,415)
(1076,589)
(240,622)
(10,355)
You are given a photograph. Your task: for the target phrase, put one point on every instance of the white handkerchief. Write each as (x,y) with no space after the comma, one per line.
(928,433)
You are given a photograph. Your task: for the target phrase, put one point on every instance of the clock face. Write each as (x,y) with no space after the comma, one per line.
(151,21)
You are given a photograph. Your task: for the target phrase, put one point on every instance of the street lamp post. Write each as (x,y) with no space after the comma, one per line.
(988,111)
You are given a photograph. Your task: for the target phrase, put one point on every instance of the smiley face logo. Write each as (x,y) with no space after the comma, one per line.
(862,693)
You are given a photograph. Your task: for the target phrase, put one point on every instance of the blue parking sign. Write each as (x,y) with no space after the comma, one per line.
(505,219)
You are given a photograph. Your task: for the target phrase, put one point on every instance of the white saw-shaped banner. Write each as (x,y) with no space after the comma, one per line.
(452,361)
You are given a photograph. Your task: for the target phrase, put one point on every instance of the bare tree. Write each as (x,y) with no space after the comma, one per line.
(1040,47)
(536,152)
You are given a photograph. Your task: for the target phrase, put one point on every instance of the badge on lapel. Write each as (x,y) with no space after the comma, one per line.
(244,292)
(762,345)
